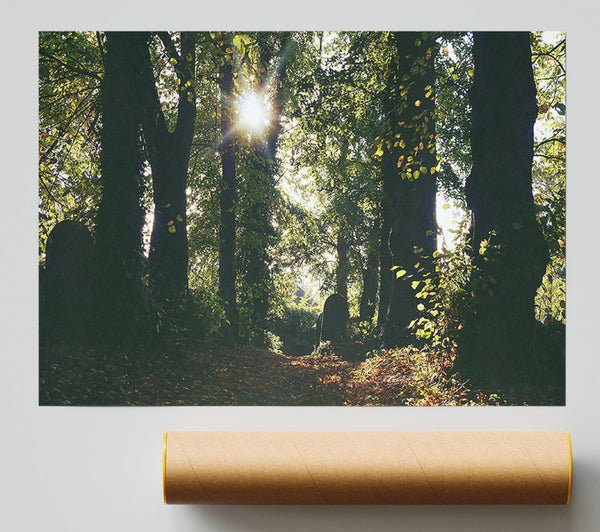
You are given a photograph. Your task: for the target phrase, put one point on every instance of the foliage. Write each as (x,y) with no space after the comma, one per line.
(410,377)
(443,295)
(70,70)
(454,68)
(294,325)
(334,124)
(549,169)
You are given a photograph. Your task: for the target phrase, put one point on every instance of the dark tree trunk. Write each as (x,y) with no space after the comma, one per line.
(255,240)
(257,218)
(499,335)
(341,271)
(409,179)
(120,215)
(168,153)
(385,257)
(369,292)
(227,203)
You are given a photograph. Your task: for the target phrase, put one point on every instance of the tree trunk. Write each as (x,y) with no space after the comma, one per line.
(409,179)
(385,257)
(341,271)
(227,203)
(120,215)
(257,218)
(255,241)
(510,251)
(169,153)
(369,291)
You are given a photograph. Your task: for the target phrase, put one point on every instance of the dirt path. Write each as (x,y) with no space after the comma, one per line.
(187,373)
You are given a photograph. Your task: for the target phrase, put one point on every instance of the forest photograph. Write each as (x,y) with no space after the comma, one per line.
(360,218)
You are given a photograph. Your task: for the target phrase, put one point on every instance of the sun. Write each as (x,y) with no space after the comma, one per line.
(253,113)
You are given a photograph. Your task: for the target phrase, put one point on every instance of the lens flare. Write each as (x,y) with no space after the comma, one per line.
(252,112)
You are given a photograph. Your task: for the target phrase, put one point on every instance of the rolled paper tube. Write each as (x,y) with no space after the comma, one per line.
(367,467)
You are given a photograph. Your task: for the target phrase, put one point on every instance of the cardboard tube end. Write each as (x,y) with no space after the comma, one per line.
(570,467)
(164,467)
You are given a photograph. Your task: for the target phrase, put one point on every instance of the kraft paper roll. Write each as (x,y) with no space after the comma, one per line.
(367,467)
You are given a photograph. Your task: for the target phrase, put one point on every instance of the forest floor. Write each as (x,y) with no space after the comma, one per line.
(189,372)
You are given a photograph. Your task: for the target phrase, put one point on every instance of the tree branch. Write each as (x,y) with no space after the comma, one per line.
(71,68)
(560,140)
(167,41)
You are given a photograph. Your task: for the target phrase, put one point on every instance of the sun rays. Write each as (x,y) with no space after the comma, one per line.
(253,115)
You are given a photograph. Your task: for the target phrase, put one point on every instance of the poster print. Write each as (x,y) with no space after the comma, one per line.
(302,218)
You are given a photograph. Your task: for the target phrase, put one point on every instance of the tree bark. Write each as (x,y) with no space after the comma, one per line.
(120,216)
(409,178)
(385,257)
(510,251)
(341,271)
(168,154)
(227,203)
(257,218)
(369,291)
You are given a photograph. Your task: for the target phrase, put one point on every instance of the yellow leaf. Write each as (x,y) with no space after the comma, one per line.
(172,229)
(417,103)
(179,218)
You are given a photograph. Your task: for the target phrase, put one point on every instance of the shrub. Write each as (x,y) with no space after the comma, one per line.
(295,327)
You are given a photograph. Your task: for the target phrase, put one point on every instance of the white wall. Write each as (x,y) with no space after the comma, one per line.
(98,469)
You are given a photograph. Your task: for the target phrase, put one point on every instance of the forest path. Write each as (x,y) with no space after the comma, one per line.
(188,372)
